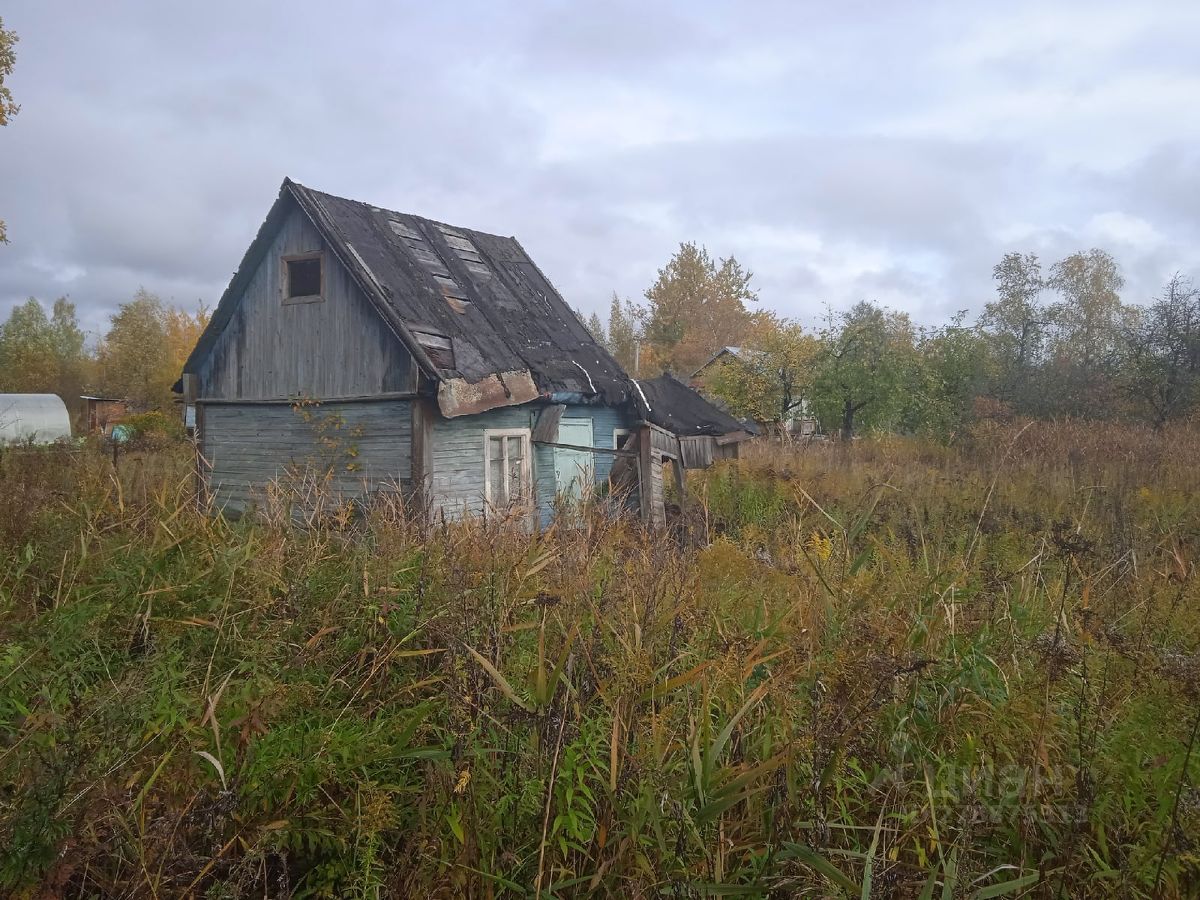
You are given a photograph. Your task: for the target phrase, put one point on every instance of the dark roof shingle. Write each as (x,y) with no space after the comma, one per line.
(479,290)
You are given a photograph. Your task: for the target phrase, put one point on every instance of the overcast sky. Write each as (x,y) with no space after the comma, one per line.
(841,151)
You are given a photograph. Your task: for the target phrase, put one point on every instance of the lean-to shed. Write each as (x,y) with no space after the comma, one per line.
(33,418)
(682,430)
(102,413)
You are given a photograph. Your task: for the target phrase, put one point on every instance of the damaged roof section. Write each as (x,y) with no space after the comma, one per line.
(458,397)
(488,323)
(669,403)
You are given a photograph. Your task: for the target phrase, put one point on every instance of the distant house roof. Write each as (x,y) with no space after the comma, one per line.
(669,403)
(744,353)
(475,311)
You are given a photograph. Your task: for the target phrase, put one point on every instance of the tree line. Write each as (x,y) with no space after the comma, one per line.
(1054,341)
(138,359)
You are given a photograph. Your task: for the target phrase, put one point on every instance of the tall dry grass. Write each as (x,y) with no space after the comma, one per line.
(889,669)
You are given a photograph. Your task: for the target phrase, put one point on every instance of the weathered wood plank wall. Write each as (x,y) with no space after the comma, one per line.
(605,420)
(339,347)
(697,451)
(365,447)
(656,447)
(455,481)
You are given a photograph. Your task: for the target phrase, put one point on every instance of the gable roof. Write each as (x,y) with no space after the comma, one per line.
(512,338)
(669,403)
(746,354)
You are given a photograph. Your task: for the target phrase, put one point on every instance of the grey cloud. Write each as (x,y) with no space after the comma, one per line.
(614,38)
(1164,186)
(154,137)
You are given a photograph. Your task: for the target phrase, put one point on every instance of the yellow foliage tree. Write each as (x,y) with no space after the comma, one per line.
(770,378)
(145,348)
(40,354)
(696,306)
(183,331)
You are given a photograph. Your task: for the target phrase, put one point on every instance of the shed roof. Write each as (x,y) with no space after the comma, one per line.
(512,336)
(669,403)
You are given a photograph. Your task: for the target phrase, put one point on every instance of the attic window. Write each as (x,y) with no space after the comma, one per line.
(303,278)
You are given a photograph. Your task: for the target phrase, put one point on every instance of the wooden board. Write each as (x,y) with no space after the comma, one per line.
(359,448)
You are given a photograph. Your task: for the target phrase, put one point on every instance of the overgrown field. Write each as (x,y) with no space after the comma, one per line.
(889,669)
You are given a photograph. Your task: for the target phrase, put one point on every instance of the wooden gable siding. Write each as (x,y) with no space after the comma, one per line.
(455,483)
(339,347)
(364,447)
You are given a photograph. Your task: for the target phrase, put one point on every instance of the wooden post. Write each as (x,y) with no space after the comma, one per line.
(645,481)
(677,463)
(422,444)
(191,389)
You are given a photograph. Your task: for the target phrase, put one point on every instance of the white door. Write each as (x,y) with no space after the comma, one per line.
(573,468)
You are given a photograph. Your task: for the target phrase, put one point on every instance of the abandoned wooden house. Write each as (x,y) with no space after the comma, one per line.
(395,353)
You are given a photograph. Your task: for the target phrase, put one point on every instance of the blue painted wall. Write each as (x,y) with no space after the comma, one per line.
(456,477)
(367,447)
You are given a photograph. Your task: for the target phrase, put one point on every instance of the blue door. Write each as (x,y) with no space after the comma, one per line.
(573,475)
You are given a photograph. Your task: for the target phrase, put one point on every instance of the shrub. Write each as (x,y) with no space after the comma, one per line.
(153,424)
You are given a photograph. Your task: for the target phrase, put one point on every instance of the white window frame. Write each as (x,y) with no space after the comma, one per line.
(617,434)
(526,435)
